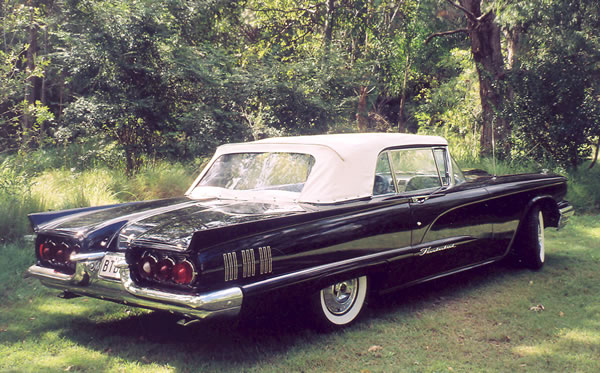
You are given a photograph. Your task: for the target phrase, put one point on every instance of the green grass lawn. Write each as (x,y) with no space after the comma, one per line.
(485,320)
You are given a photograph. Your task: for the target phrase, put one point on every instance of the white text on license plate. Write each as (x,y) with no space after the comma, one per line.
(108,266)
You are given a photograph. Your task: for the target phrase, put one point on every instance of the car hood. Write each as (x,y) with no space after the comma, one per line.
(167,224)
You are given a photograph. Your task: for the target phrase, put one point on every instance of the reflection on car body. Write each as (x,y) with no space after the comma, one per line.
(327,219)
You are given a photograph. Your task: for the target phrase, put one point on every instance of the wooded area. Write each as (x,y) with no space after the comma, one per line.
(141,79)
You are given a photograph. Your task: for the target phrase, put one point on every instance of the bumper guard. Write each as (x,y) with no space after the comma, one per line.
(565,211)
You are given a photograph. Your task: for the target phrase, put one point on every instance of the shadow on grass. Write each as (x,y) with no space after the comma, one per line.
(156,338)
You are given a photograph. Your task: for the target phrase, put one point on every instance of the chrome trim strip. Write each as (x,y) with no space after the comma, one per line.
(386,255)
(230,265)
(244,264)
(266,260)
(262,260)
(226,267)
(270,262)
(252,262)
(235,266)
(86,256)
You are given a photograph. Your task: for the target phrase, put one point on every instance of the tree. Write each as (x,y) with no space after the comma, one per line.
(555,105)
(23,109)
(484,34)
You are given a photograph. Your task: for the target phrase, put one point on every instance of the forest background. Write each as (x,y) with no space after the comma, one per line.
(104,101)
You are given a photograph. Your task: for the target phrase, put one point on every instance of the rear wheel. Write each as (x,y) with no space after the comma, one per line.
(531,247)
(339,304)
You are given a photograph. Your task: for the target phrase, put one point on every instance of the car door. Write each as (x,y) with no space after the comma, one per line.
(451,226)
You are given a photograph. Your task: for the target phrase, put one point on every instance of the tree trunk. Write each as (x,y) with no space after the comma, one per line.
(328,28)
(595,154)
(34,83)
(362,115)
(513,45)
(33,88)
(401,121)
(487,54)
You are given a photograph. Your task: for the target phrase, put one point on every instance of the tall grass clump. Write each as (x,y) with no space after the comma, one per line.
(584,189)
(16,201)
(160,179)
(64,189)
(502,167)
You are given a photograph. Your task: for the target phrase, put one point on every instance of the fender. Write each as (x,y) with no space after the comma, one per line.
(549,209)
(39,219)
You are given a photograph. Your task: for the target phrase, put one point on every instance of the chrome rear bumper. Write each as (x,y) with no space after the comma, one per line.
(85,281)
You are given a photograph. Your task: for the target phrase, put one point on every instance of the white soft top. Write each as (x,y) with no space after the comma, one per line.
(344,166)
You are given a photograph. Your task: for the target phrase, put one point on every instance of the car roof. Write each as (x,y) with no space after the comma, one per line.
(344,166)
(350,143)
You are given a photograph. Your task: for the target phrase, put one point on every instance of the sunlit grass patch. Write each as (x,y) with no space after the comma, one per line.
(588,337)
(62,189)
(159,180)
(571,350)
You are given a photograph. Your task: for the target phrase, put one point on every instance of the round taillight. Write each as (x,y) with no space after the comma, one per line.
(164,268)
(147,266)
(44,252)
(183,273)
(48,250)
(63,253)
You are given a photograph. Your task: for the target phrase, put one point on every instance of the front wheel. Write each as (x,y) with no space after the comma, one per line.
(340,304)
(531,245)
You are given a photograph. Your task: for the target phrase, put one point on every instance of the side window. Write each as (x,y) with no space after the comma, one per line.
(440,160)
(415,169)
(384,183)
(459,178)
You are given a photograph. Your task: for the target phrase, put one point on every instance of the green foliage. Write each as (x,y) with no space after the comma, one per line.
(554,111)
(452,109)
(17,74)
(127,82)
(555,106)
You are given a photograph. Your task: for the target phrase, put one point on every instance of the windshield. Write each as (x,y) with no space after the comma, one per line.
(259,171)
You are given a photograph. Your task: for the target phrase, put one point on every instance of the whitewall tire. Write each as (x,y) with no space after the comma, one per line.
(532,250)
(340,304)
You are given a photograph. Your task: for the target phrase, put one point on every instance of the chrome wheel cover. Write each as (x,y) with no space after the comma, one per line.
(540,236)
(340,297)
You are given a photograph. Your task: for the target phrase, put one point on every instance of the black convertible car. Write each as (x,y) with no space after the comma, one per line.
(326,219)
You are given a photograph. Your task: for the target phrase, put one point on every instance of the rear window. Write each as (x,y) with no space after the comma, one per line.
(260,171)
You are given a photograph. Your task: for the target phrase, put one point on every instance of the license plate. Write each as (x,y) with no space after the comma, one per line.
(108,266)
